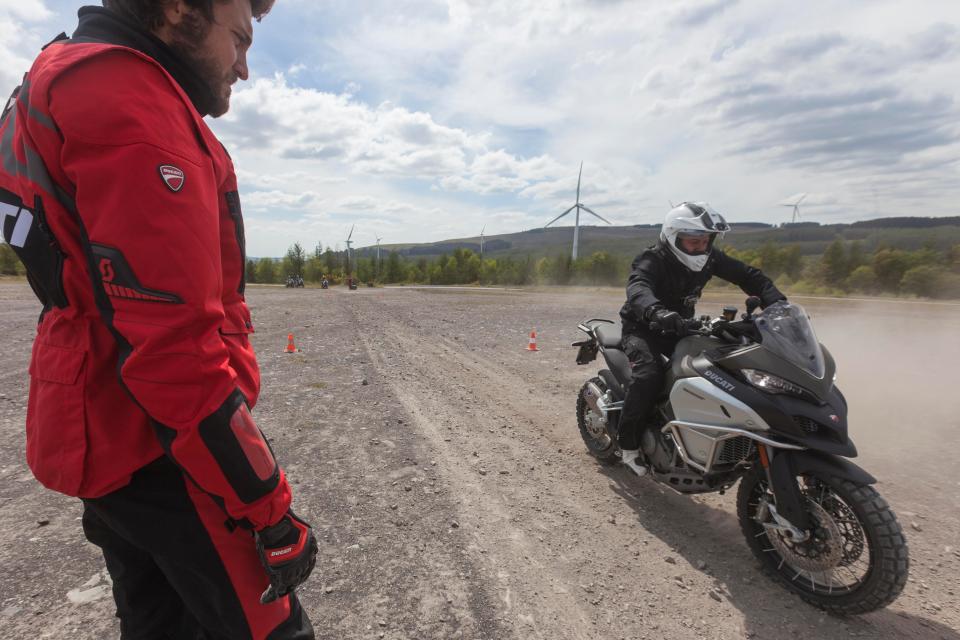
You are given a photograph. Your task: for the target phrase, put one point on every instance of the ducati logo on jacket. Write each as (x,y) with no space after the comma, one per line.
(172,176)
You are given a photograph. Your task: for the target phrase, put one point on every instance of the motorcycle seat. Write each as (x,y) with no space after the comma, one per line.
(609,336)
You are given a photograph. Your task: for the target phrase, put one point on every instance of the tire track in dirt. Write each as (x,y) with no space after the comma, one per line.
(390,564)
(519,565)
(552,513)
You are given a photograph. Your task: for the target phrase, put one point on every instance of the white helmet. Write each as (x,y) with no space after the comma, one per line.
(692,219)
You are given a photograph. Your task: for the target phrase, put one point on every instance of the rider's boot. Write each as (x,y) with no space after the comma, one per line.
(631,458)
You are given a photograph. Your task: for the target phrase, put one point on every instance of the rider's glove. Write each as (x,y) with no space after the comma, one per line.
(669,321)
(288,551)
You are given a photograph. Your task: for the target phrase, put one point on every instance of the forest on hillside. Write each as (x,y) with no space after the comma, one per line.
(843,268)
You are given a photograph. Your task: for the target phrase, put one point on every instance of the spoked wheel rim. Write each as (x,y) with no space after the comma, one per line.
(836,560)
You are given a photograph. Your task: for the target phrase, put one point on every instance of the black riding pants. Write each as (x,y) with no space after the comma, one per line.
(179,573)
(647,378)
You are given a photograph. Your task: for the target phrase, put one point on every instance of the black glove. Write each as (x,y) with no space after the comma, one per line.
(288,551)
(668,321)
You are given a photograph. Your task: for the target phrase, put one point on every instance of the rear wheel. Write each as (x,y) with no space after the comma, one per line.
(856,559)
(593,426)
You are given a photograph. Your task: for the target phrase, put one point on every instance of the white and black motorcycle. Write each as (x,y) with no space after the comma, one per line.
(754,400)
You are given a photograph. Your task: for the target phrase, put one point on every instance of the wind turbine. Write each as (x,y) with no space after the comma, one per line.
(576,225)
(795,203)
(481,241)
(349,246)
(378,253)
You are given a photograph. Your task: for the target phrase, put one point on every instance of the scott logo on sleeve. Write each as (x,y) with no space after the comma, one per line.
(172,176)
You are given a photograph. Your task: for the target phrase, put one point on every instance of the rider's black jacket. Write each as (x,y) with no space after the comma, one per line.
(658,280)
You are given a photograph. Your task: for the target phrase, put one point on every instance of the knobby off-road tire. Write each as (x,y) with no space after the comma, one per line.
(888,559)
(604,448)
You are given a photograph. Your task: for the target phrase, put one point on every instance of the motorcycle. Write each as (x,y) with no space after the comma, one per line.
(754,400)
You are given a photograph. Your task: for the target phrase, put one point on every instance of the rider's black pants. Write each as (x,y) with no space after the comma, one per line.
(646,382)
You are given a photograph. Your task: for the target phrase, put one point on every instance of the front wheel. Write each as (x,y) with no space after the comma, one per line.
(856,558)
(593,426)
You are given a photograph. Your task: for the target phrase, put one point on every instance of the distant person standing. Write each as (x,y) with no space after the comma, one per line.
(124,208)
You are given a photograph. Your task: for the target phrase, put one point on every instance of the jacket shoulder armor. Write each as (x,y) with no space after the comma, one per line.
(112,96)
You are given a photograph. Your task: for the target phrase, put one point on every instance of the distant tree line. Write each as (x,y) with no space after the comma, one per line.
(843,268)
(462,266)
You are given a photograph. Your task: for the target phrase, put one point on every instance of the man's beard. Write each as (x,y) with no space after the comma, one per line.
(187,41)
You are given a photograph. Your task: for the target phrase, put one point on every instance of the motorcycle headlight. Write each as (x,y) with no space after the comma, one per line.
(771,383)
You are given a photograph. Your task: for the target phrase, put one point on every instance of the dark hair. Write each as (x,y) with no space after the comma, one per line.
(149,13)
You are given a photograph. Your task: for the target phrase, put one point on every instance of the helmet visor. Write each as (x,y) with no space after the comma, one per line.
(695,243)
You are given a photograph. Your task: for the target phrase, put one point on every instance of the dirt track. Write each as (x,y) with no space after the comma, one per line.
(441,466)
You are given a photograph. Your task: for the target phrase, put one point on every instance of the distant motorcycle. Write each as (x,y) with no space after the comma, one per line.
(754,400)
(325,284)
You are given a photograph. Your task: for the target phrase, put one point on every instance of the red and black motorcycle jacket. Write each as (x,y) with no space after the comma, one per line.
(123,207)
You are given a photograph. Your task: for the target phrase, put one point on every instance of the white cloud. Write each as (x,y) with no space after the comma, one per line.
(29,10)
(425,119)
(20,39)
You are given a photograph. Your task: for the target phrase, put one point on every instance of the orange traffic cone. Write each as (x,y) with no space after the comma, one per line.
(290,347)
(533,341)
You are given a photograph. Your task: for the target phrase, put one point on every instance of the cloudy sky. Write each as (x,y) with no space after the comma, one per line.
(422,120)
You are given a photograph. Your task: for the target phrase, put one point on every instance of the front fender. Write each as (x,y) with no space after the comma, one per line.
(826,465)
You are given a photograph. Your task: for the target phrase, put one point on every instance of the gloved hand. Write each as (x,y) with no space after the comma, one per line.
(288,551)
(669,321)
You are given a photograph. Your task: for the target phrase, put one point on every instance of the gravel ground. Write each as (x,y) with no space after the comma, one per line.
(441,467)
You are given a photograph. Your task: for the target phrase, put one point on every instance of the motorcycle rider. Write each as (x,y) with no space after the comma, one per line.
(664,285)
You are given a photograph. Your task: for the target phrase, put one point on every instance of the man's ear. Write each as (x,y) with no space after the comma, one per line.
(173,14)
(173,11)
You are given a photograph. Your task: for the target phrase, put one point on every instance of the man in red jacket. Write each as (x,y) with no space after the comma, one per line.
(124,208)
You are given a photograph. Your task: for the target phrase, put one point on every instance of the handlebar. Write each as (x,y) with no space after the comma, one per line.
(690,326)
(726,330)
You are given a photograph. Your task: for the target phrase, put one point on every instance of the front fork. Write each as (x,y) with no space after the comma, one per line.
(786,510)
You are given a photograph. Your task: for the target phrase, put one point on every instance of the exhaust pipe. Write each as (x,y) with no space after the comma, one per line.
(593,396)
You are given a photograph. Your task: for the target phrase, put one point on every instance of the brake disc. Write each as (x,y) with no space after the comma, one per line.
(823,551)
(854,543)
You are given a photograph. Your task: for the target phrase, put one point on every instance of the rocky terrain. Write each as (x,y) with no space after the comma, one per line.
(440,464)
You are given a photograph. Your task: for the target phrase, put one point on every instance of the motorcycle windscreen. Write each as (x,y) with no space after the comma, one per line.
(785,329)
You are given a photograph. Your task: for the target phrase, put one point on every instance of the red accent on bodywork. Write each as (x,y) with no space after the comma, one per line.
(251,441)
